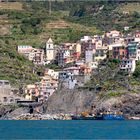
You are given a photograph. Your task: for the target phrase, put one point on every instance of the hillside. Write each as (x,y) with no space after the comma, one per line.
(11,6)
(30,23)
(129,7)
(15,67)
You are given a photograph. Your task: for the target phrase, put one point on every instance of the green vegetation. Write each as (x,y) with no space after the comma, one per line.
(112,81)
(129,7)
(33,19)
(15,67)
(114,94)
(105,15)
(137,70)
(29,23)
(53,66)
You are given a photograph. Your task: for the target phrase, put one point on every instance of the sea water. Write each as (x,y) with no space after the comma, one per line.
(69,129)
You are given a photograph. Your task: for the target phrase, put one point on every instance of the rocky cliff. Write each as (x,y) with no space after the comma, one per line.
(68,101)
(72,101)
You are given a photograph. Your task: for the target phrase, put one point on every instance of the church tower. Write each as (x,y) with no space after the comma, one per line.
(49,50)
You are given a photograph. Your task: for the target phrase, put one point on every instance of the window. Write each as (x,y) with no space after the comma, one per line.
(6,83)
(0,83)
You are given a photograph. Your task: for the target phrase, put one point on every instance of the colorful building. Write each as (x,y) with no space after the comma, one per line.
(133,49)
(100,54)
(119,52)
(37,56)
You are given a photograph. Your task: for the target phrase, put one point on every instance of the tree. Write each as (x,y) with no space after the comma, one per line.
(135,14)
(137,70)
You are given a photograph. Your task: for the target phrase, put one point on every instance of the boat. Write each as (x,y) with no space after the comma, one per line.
(110,116)
(83,116)
(99,116)
(79,117)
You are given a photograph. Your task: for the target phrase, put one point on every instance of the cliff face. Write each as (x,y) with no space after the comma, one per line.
(72,101)
(66,101)
(128,103)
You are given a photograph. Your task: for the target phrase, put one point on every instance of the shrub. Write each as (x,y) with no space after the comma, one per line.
(137,70)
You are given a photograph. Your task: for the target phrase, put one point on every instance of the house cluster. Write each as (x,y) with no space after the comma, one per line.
(86,54)
(78,60)
(40,91)
(126,49)
(8,94)
(38,56)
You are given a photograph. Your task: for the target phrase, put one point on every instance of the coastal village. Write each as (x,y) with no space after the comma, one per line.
(69,69)
(76,61)
(79,60)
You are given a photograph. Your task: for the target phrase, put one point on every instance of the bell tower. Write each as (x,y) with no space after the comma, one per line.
(49,50)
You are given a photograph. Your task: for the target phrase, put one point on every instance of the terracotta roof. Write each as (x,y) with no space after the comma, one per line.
(72,68)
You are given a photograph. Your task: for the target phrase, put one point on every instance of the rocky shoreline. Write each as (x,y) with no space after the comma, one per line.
(60,105)
(61,116)
(42,117)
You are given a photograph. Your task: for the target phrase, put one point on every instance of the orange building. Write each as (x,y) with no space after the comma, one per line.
(119,52)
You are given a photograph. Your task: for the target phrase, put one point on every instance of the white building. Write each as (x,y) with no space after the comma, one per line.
(73,70)
(88,56)
(138,54)
(85,39)
(50,51)
(128,65)
(67,79)
(113,33)
(80,62)
(126,28)
(93,65)
(111,46)
(52,73)
(5,87)
(24,49)
(66,53)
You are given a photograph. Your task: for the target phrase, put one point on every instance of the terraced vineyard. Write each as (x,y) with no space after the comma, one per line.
(29,23)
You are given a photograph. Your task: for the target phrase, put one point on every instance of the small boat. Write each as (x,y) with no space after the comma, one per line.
(134,118)
(113,117)
(110,116)
(100,116)
(82,117)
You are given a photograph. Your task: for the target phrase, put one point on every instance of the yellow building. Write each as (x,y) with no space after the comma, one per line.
(100,55)
(28,97)
(78,48)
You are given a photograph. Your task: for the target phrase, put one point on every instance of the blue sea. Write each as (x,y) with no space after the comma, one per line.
(69,129)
